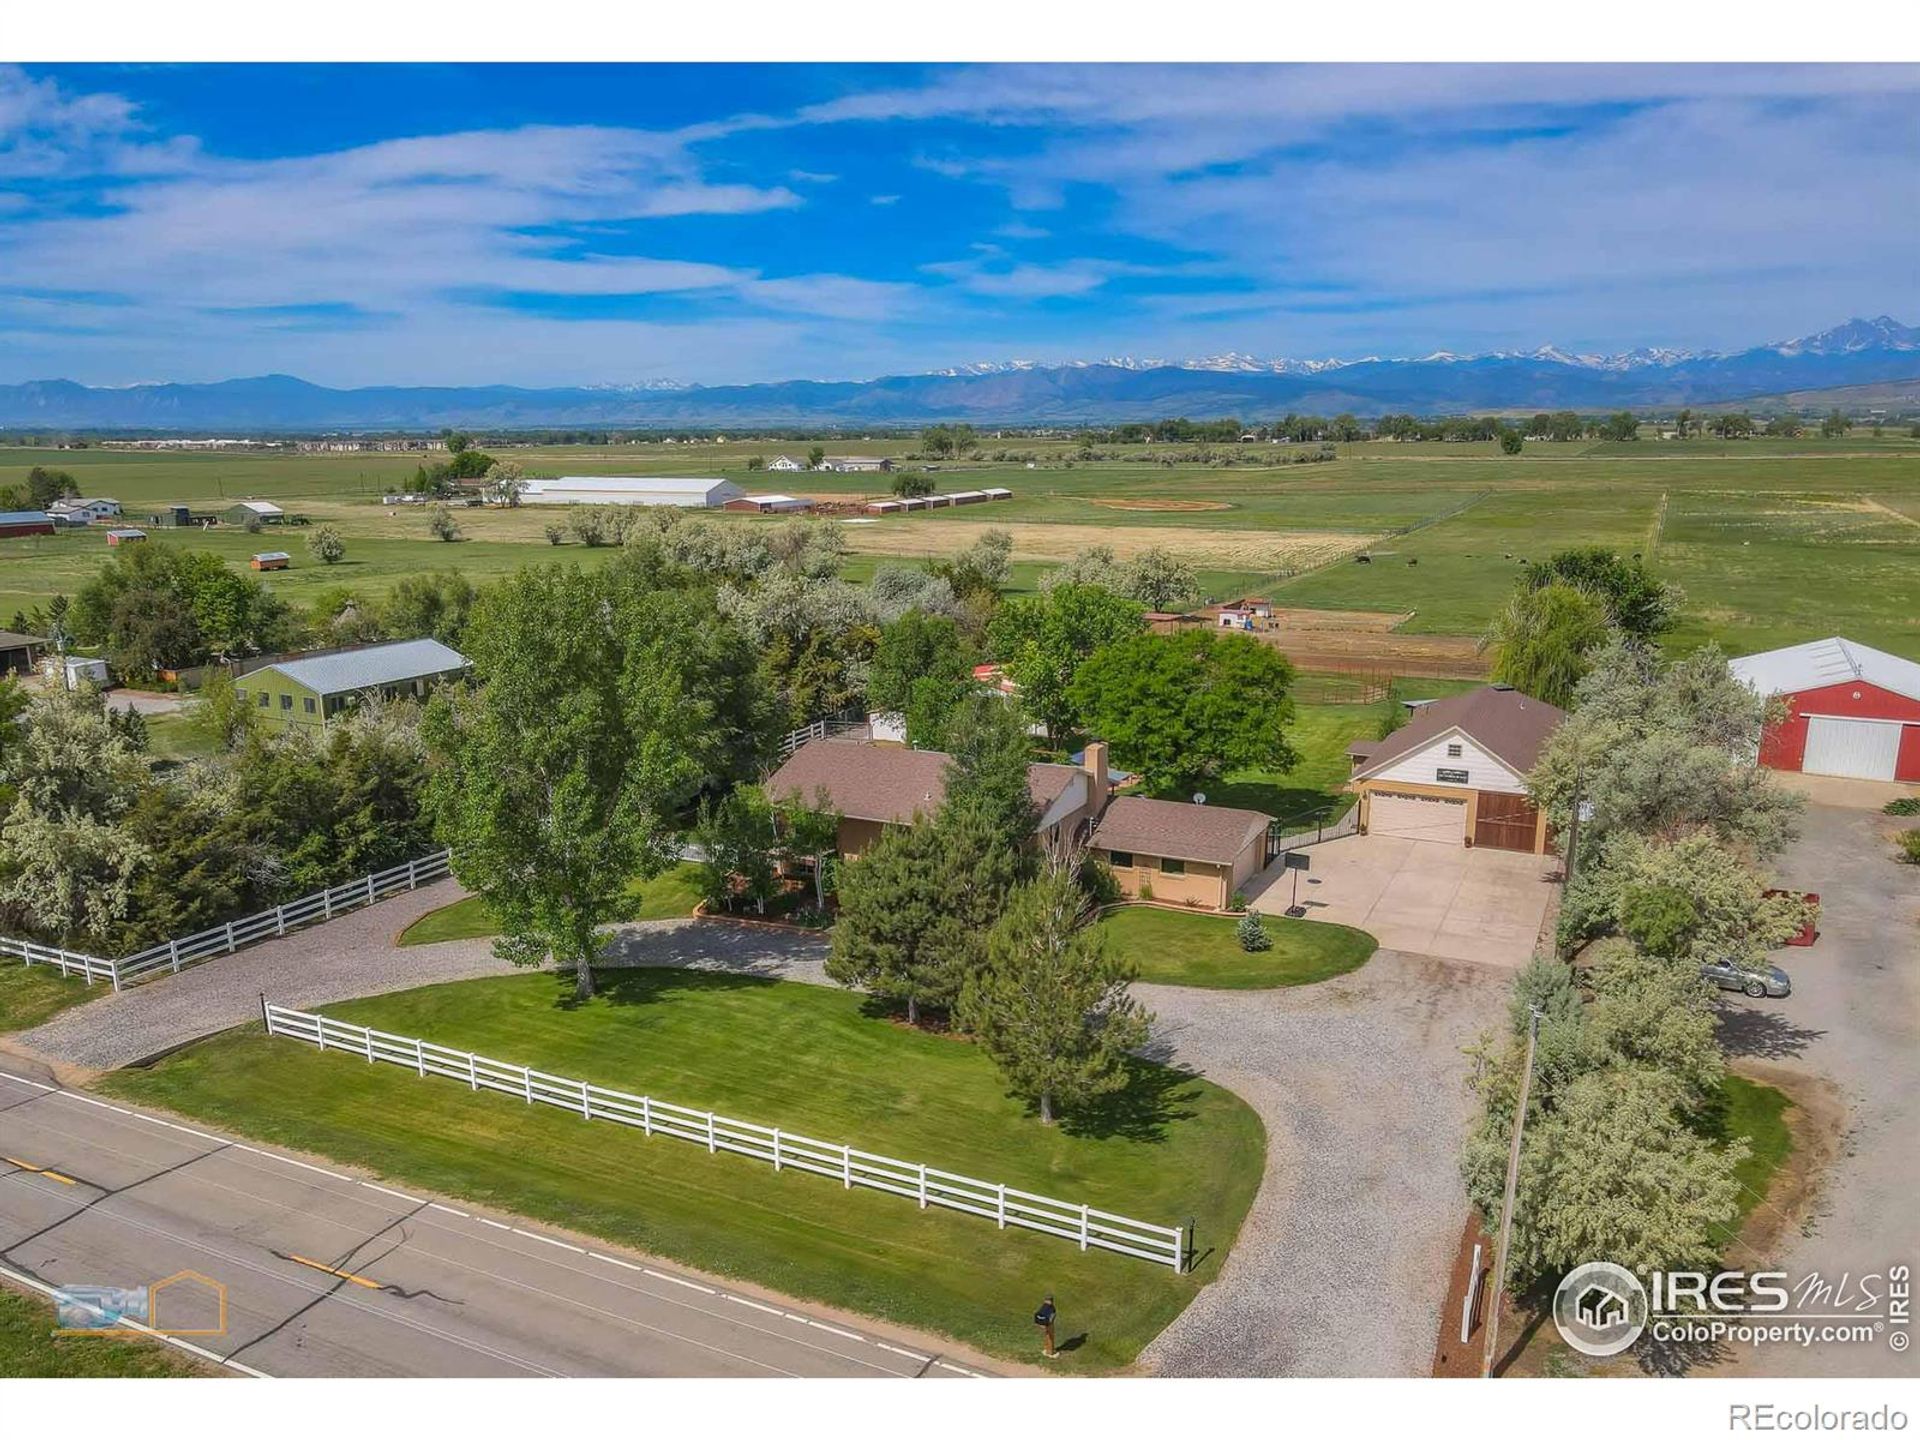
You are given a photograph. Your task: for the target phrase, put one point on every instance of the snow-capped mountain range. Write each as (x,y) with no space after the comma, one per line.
(1017,392)
(1881,332)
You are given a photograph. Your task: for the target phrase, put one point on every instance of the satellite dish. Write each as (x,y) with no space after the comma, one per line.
(1199,797)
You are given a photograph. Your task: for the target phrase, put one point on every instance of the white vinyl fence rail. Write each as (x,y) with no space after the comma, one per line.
(169,956)
(1005,1206)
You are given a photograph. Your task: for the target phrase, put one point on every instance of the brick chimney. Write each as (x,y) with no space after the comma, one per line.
(1099,788)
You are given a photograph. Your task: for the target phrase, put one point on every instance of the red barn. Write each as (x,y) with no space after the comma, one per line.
(1851,710)
(25,522)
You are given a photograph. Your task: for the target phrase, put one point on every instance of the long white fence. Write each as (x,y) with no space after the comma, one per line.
(1005,1206)
(170,956)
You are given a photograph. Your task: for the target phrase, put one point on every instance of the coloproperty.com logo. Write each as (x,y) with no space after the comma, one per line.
(1601,1308)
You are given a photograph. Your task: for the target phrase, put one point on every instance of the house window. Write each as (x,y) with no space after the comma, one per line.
(308,702)
(265,699)
(1170,866)
(1450,777)
(286,702)
(1121,859)
(1453,751)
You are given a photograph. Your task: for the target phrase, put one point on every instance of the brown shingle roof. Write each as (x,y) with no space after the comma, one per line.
(1510,726)
(864,781)
(1212,834)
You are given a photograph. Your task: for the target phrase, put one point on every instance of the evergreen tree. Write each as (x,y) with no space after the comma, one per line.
(1252,934)
(1049,1003)
(884,941)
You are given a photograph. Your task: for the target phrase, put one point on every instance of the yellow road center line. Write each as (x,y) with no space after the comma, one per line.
(39,1170)
(346,1275)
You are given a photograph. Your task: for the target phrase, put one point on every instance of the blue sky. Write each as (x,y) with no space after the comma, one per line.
(619,224)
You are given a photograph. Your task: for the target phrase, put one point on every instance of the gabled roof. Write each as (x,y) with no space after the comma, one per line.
(260,507)
(25,517)
(884,783)
(1819,663)
(1511,727)
(1173,829)
(370,665)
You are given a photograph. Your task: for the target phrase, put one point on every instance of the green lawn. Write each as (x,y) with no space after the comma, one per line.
(666,897)
(30,1350)
(1320,734)
(30,994)
(1758,1113)
(176,737)
(809,1059)
(1170,947)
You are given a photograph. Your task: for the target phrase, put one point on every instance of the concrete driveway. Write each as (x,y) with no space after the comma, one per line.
(1422,897)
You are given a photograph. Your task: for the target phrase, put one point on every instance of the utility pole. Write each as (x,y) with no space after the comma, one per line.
(1498,1288)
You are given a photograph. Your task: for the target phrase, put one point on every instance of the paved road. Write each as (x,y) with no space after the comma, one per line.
(437,1290)
(1853,1020)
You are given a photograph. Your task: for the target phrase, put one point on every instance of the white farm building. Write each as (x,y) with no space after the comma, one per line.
(690,493)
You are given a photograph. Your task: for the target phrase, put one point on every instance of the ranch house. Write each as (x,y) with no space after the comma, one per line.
(1455,774)
(1850,710)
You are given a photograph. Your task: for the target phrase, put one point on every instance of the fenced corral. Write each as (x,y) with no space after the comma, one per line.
(169,957)
(1090,1229)
(851,726)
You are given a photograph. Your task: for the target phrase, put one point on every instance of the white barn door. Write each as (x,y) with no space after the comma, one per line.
(1862,749)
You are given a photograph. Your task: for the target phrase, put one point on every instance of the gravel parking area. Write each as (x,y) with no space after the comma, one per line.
(1343,1260)
(1853,1021)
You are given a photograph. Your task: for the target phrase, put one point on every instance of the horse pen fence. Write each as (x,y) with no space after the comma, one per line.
(170,956)
(1091,1229)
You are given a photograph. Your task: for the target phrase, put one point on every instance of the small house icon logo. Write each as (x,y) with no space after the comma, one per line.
(1600,1308)
(185,1303)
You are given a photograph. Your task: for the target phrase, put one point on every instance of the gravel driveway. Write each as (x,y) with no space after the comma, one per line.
(351,956)
(1343,1259)
(1342,1263)
(1854,1020)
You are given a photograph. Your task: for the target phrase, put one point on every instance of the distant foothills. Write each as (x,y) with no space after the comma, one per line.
(1860,353)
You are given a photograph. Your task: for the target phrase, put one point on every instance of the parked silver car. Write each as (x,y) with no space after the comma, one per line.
(1771,982)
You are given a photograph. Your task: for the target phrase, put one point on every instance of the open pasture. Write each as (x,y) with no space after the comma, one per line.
(1771,540)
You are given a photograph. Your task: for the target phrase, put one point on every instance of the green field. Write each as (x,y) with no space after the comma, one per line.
(667,897)
(809,1059)
(30,1349)
(1169,947)
(1772,541)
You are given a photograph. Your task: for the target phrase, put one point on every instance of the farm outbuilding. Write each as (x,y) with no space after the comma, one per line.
(171,517)
(687,492)
(254,512)
(311,690)
(117,538)
(1851,710)
(17,523)
(1456,772)
(271,560)
(20,654)
(768,505)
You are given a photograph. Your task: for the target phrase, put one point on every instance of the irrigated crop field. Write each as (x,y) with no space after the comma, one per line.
(1772,541)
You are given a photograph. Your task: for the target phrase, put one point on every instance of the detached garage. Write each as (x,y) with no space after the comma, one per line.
(1852,710)
(1455,774)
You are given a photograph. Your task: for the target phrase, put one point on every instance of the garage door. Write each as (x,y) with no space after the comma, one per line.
(1864,749)
(1418,817)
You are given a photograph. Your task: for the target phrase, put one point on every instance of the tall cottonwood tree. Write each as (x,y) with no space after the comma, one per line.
(597,710)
